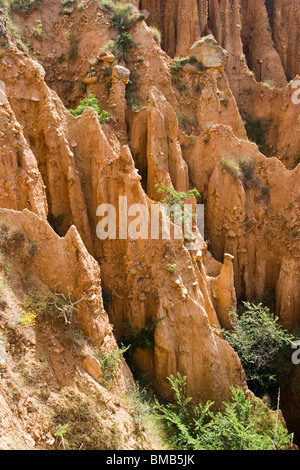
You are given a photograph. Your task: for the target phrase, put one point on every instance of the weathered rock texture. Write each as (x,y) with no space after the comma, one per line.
(46,366)
(91,172)
(171,124)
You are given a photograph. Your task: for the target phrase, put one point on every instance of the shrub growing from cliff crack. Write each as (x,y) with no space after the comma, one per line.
(23,5)
(111,363)
(261,344)
(245,424)
(155,33)
(178,63)
(174,198)
(232,166)
(92,102)
(240,168)
(122,14)
(120,46)
(143,338)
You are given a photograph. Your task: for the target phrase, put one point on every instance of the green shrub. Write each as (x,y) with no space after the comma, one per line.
(110,363)
(38,31)
(232,166)
(245,424)
(122,14)
(133,102)
(22,5)
(170,267)
(40,305)
(171,196)
(156,33)
(143,338)
(92,102)
(178,63)
(241,168)
(265,190)
(256,130)
(120,46)
(122,18)
(247,166)
(73,42)
(261,344)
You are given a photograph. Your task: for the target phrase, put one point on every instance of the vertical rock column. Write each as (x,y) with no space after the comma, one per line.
(120,78)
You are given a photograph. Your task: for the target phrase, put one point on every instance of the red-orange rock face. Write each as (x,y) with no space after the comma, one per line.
(210,108)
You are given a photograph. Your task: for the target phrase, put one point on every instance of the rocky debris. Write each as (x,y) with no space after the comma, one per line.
(20,180)
(223,293)
(2,354)
(3,97)
(209,53)
(122,73)
(106,57)
(254,24)
(92,366)
(91,79)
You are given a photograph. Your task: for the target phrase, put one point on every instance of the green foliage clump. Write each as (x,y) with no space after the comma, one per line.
(73,45)
(22,5)
(256,130)
(19,5)
(245,424)
(144,338)
(120,46)
(40,305)
(12,28)
(178,63)
(122,14)
(122,18)
(171,196)
(155,33)
(176,199)
(170,267)
(241,168)
(232,166)
(92,102)
(247,166)
(38,31)
(261,344)
(110,363)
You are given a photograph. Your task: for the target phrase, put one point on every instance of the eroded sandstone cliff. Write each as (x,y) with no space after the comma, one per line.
(171,122)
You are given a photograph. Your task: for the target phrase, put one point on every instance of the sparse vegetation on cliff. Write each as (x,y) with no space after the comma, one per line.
(92,102)
(156,33)
(246,423)
(21,5)
(178,63)
(143,338)
(263,346)
(240,168)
